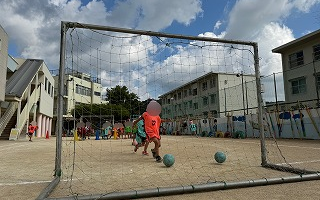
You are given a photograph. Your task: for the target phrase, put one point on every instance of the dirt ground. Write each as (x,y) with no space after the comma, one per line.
(27,167)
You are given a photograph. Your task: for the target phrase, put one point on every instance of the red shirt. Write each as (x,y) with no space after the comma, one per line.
(151,125)
(31,128)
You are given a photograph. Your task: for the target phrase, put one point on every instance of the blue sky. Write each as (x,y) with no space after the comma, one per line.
(34,26)
(24,21)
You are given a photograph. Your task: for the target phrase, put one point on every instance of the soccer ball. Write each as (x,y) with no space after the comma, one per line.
(220,157)
(168,160)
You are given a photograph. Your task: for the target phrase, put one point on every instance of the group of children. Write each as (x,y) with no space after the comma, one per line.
(84,132)
(117,133)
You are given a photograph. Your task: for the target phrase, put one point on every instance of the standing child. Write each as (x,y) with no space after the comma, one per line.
(193,128)
(215,127)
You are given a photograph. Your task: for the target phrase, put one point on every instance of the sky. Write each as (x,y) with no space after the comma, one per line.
(33,26)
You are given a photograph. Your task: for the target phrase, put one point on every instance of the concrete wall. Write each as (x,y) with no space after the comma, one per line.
(47,92)
(3,62)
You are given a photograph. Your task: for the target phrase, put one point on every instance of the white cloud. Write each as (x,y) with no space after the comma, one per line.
(262,22)
(271,36)
(248,17)
(304,5)
(35,26)
(217,25)
(183,13)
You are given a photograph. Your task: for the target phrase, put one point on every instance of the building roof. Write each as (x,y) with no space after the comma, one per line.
(19,81)
(298,42)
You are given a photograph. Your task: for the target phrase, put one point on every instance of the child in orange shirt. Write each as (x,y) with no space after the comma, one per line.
(152,128)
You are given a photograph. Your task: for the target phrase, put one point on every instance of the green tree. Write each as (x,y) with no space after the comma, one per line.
(122,105)
(120,95)
(95,110)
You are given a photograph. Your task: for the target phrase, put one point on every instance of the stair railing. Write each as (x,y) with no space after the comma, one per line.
(24,116)
(5,118)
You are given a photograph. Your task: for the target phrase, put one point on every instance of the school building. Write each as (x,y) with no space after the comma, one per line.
(211,95)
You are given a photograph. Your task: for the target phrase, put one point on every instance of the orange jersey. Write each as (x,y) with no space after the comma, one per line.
(31,129)
(151,125)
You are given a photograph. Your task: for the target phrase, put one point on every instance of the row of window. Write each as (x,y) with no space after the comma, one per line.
(86,91)
(297,59)
(83,90)
(194,105)
(192,92)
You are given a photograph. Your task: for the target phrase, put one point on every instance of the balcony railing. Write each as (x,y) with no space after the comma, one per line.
(75,73)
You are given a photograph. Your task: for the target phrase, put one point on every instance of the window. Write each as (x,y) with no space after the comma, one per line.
(213,98)
(49,88)
(212,83)
(195,92)
(190,104)
(190,92)
(296,59)
(83,90)
(204,86)
(195,106)
(86,78)
(185,93)
(45,84)
(65,90)
(97,94)
(185,105)
(214,113)
(179,95)
(205,101)
(298,86)
(316,52)
(318,81)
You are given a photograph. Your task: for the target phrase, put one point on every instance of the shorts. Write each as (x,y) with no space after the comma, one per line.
(140,139)
(151,135)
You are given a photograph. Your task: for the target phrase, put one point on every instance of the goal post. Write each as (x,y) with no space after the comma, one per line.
(196,79)
(71,25)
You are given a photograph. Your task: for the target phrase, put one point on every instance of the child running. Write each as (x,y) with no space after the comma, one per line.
(141,138)
(152,127)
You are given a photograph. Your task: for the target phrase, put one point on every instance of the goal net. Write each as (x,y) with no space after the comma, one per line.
(210,84)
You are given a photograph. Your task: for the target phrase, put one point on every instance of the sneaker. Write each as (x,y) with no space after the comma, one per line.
(135,148)
(153,153)
(145,153)
(158,159)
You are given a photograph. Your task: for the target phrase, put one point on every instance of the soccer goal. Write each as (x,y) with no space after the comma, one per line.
(210,84)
